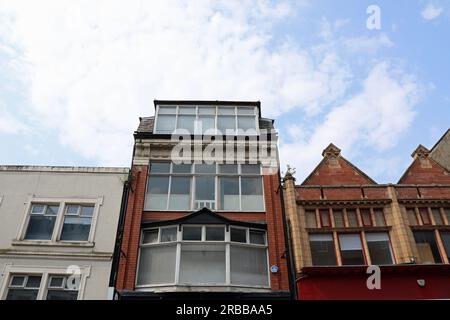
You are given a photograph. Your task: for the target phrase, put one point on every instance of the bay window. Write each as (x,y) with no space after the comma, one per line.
(231,187)
(203,255)
(207,119)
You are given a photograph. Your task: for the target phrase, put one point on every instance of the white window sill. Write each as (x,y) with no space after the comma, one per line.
(47,243)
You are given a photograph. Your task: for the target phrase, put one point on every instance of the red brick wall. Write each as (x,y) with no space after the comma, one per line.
(135,215)
(344,174)
(132,229)
(419,174)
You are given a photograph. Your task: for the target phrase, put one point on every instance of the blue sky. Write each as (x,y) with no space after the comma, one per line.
(76,75)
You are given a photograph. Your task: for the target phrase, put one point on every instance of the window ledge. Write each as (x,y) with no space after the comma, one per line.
(202,288)
(44,243)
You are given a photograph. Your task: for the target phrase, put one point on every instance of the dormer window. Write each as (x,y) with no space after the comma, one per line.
(212,120)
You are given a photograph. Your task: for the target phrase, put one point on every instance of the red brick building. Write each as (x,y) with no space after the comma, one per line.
(204,228)
(341,221)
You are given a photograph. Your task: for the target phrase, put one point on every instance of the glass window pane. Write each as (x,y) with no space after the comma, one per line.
(150,236)
(169,234)
(56,282)
(181,168)
(238,235)
(87,211)
(205,168)
(207,110)
(192,233)
(186,110)
(18,281)
(186,122)
(157,189)
(205,192)
(160,167)
(247,124)
(40,227)
(202,264)
(246,110)
(76,228)
(72,209)
(351,249)
(248,266)
(257,237)
(165,123)
(379,217)
(33,282)
(338,218)
(447,214)
(157,265)
(206,123)
(424,215)
(228,168)
(251,169)
(427,247)
(365,216)
(52,210)
(180,190)
(22,294)
(226,125)
(412,218)
(62,294)
(379,248)
(167,110)
(322,250)
(445,236)
(325,218)
(226,111)
(311,221)
(229,193)
(437,216)
(252,194)
(37,208)
(215,233)
(352,218)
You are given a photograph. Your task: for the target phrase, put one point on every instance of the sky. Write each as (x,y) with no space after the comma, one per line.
(75,76)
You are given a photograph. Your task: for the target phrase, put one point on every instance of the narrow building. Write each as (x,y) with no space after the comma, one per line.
(341,221)
(204,213)
(57,231)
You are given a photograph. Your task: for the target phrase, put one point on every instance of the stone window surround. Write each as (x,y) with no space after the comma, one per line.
(10,270)
(97,202)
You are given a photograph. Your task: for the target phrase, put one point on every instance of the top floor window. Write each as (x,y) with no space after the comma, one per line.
(210,120)
(230,187)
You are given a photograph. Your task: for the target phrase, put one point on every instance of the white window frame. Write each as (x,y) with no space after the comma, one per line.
(227,243)
(57,229)
(217,175)
(46,272)
(216,116)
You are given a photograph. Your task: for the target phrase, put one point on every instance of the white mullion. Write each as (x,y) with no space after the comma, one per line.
(170,185)
(177,263)
(43,286)
(227,263)
(240,193)
(155,129)
(236,129)
(57,228)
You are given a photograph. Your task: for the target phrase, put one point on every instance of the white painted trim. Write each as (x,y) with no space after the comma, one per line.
(63,202)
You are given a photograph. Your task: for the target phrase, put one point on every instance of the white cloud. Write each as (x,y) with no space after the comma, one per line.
(431,12)
(96,66)
(368,44)
(375,117)
(9,124)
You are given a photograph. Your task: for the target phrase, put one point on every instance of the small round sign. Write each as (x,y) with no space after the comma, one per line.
(274,269)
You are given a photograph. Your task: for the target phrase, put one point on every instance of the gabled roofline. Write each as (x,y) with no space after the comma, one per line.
(351,164)
(210,102)
(209,217)
(414,161)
